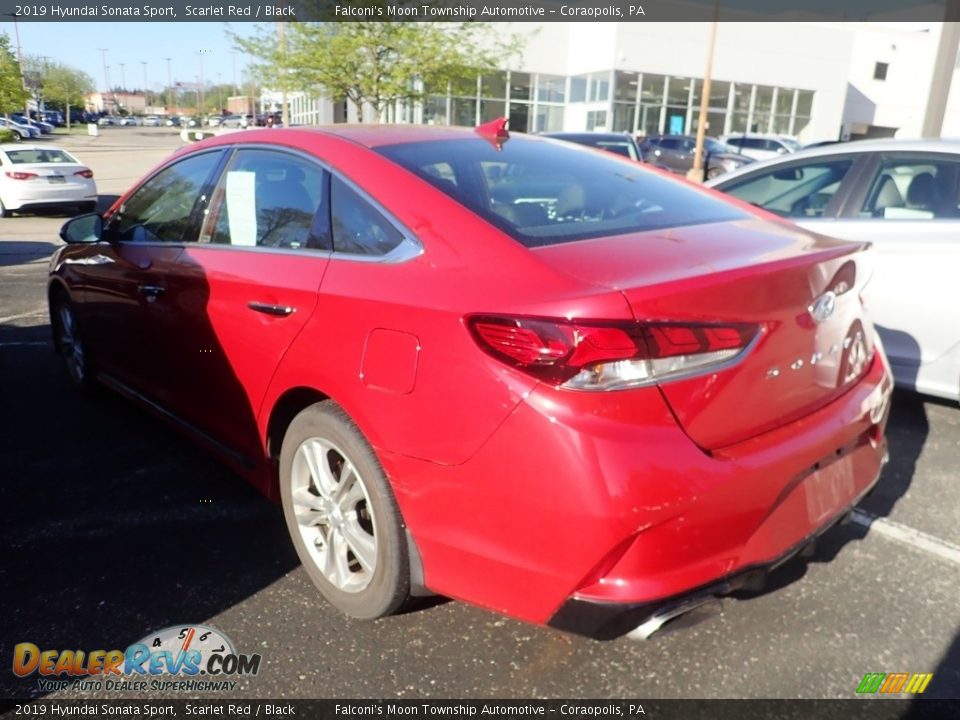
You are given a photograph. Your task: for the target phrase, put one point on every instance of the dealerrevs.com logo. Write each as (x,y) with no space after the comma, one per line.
(186,658)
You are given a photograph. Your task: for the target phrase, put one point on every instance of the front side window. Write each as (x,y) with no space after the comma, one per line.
(543,193)
(160,210)
(268,198)
(797,191)
(919,188)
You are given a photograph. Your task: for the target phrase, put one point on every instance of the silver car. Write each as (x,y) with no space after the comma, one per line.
(904,197)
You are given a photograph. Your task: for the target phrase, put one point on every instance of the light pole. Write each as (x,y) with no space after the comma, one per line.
(200,93)
(234,54)
(106,76)
(23,77)
(219,93)
(123,77)
(169,84)
(145,86)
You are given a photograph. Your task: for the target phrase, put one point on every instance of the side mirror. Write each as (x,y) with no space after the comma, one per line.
(83,229)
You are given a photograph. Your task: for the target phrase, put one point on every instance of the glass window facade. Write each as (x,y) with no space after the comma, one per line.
(621,101)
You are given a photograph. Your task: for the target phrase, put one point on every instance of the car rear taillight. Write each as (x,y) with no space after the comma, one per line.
(20,175)
(84,173)
(589,355)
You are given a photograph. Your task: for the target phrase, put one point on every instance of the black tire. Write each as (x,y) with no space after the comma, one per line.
(87,207)
(4,212)
(17,137)
(77,366)
(714,172)
(325,431)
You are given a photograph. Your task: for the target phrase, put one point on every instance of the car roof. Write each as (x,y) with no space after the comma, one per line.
(847,148)
(376,135)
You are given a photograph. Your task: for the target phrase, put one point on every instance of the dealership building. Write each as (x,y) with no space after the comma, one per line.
(814,80)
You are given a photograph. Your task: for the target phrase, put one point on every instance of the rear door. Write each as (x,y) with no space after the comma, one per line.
(908,206)
(252,284)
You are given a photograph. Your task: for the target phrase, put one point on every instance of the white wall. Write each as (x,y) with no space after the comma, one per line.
(900,100)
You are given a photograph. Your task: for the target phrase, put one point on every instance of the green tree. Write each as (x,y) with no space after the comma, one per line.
(376,63)
(66,86)
(13,96)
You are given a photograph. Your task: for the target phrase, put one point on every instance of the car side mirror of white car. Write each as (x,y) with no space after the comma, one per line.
(83,229)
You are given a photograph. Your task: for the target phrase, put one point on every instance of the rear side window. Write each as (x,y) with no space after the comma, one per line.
(918,188)
(358,227)
(542,192)
(797,191)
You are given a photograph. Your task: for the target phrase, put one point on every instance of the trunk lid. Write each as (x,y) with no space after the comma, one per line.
(802,289)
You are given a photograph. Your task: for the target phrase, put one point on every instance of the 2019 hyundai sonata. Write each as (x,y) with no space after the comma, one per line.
(508,370)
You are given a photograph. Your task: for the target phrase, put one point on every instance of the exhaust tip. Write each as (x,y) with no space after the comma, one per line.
(680,617)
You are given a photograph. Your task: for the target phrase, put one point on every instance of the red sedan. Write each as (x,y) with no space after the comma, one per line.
(509,370)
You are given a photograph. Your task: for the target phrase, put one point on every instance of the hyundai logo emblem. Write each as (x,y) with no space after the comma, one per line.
(822,307)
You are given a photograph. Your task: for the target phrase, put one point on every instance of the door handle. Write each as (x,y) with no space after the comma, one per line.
(268,309)
(151,292)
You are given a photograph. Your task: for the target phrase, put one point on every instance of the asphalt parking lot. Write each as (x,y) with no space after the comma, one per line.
(116,526)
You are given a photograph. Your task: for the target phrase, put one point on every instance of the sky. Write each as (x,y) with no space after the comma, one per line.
(78,44)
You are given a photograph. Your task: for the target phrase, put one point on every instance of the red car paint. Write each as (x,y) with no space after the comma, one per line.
(519,495)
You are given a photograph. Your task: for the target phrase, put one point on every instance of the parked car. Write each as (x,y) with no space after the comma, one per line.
(172,121)
(108,120)
(676,153)
(270,119)
(618,143)
(903,197)
(760,147)
(214,120)
(44,128)
(510,370)
(131,121)
(55,117)
(20,131)
(42,176)
(237,121)
(151,121)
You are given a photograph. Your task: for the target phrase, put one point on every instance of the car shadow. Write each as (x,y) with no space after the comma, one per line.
(105,202)
(17,252)
(113,525)
(943,684)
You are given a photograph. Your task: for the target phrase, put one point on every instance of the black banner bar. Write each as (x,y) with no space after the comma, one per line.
(871,708)
(472,10)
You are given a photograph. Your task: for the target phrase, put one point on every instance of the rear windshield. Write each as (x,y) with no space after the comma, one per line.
(546,192)
(19,157)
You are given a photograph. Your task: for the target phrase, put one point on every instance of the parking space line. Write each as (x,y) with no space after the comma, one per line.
(908,536)
(25,343)
(23,316)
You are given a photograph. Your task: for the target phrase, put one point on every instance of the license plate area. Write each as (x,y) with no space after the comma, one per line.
(55,179)
(830,489)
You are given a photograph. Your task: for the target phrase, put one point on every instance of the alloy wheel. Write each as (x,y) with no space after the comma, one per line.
(71,345)
(334,514)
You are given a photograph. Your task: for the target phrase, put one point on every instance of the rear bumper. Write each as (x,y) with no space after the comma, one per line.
(609,620)
(591,512)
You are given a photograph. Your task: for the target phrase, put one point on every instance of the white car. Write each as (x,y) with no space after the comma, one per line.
(904,197)
(760,147)
(35,176)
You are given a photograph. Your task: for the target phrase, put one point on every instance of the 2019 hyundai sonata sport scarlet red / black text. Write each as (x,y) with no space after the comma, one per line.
(529,375)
